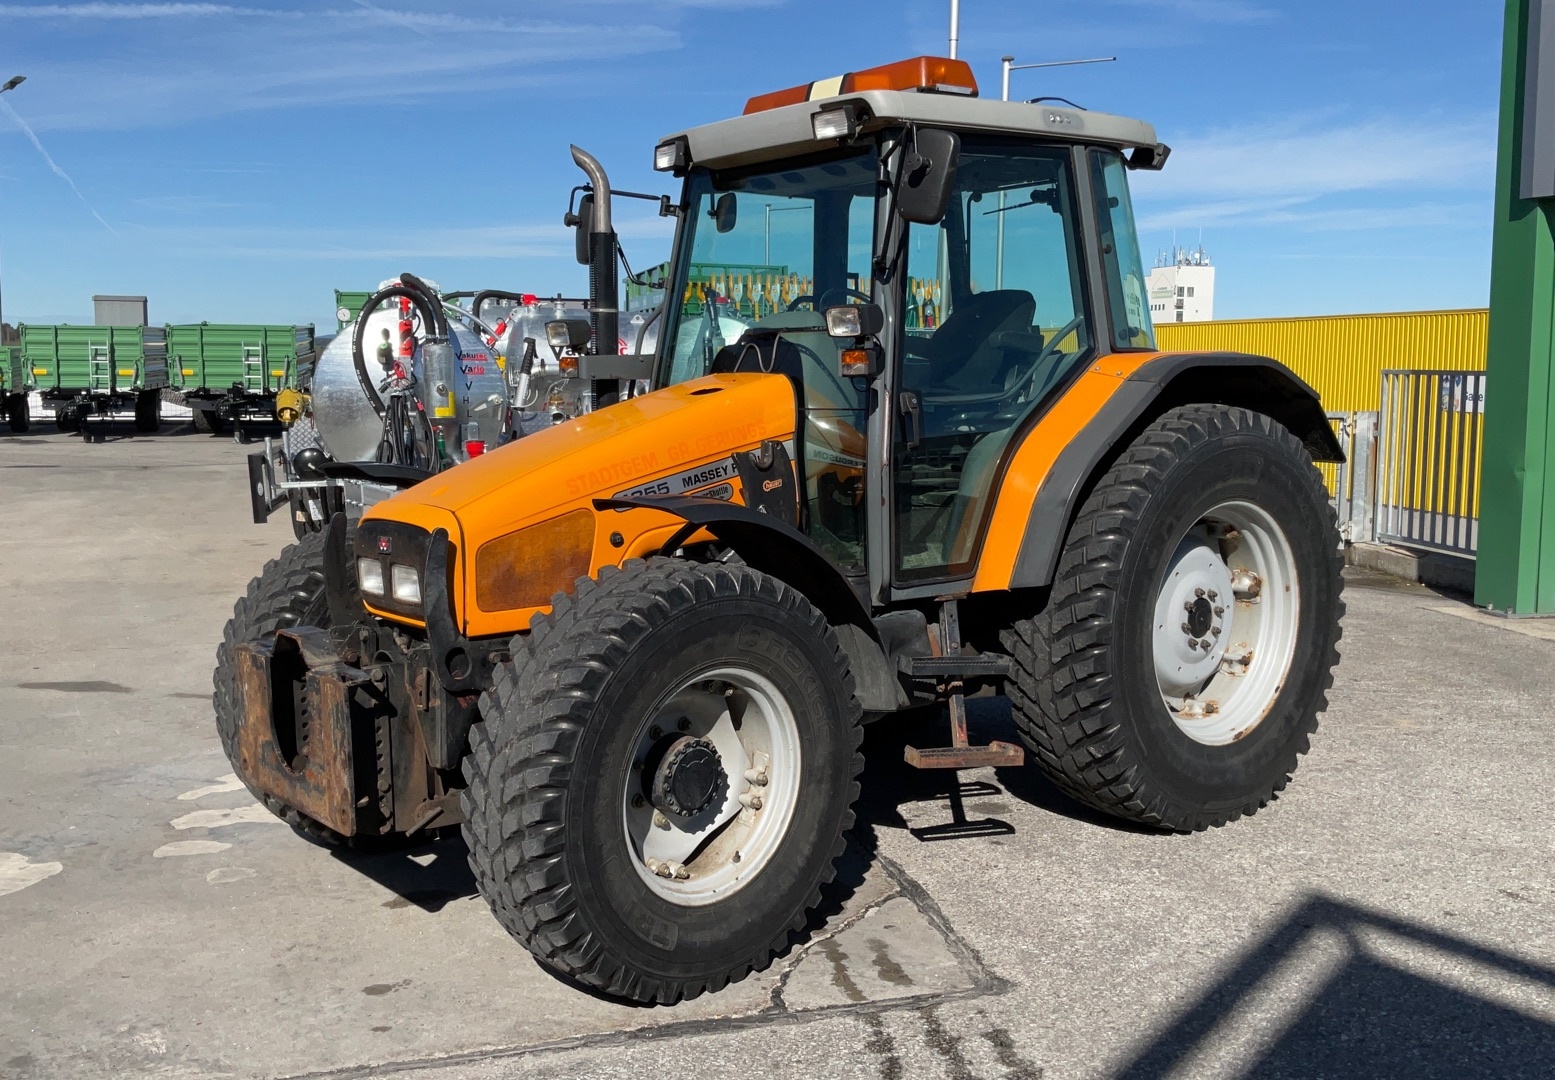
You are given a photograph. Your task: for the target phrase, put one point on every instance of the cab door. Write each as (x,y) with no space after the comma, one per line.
(997,318)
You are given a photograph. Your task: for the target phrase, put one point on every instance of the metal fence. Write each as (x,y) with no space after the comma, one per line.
(1430,434)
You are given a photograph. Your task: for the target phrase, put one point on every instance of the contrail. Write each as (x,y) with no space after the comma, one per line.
(61,173)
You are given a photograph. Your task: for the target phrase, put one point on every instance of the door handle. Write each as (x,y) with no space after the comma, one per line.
(912,410)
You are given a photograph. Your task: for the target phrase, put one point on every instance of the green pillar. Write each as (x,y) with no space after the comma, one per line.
(1516,559)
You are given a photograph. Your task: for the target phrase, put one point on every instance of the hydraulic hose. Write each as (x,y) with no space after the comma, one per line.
(440,328)
(429,318)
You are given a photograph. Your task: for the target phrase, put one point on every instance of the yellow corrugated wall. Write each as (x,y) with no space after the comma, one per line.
(1343,356)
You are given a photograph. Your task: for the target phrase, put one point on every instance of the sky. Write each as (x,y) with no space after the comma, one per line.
(239,162)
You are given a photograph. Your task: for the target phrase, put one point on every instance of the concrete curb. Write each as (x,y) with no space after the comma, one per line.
(1450,572)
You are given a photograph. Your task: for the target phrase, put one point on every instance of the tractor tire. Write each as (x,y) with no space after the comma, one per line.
(289,591)
(617,714)
(16,415)
(68,420)
(1177,671)
(148,411)
(208,422)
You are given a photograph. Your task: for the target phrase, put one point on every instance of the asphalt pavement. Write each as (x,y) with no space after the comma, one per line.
(1391,915)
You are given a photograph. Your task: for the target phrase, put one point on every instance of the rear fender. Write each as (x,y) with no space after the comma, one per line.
(1165,382)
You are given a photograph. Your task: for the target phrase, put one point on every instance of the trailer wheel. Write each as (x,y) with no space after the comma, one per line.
(1188,643)
(663,777)
(289,591)
(208,421)
(148,411)
(16,415)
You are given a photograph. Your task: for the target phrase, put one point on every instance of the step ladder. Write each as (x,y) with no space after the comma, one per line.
(949,670)
(255,377)
(99,368)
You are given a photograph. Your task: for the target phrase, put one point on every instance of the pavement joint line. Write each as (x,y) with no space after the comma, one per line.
(984,983)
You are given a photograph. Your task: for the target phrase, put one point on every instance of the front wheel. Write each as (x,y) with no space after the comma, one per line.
(663,776)
(1187,647)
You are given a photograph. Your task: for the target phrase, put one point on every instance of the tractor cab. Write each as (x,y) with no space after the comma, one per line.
(958,260)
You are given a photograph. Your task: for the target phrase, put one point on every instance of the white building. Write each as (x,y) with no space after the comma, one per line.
(1182,287)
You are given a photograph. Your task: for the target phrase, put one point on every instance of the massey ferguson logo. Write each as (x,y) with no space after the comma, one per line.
(385,545)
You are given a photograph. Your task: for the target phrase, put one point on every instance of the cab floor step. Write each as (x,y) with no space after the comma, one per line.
(940,667)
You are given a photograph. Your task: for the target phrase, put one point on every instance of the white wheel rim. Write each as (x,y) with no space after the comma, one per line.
(708,855)
(1226,618)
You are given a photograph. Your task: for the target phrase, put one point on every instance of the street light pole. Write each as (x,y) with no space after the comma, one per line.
(10,84)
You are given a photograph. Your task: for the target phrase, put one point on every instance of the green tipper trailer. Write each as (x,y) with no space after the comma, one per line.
(82,371)
(13,388)
(227,373)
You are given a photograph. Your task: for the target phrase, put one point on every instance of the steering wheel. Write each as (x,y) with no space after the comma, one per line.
(829,294)
(1041,363)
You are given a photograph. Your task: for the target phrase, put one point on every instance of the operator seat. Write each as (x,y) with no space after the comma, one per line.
(962,358)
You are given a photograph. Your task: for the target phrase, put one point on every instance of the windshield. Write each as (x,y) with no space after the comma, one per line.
(769,249)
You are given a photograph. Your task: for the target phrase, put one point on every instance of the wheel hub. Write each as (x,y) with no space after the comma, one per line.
(1192,617)
(689,778)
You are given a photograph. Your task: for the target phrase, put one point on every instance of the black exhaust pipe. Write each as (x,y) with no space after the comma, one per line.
(604,290)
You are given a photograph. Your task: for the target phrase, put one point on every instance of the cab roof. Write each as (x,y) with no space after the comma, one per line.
(928,91)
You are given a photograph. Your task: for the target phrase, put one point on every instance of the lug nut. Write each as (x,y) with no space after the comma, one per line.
(637,802)
(750,801)
(1215,630)
(1220,610)
(1198,592)
(1187,629)
(683,724)
(655,732)
(1213,595)
(756,776)
(1193,643)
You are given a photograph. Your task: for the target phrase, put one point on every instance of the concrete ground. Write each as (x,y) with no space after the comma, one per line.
(1393,914)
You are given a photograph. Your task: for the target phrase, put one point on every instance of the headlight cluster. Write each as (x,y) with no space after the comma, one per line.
(404,581)
(389,561)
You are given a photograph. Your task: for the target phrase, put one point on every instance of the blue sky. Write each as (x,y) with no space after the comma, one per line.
(237,162)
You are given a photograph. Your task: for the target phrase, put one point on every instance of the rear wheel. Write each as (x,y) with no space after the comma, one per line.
(148,411)
(663,776)
(1187,647)
(16,415)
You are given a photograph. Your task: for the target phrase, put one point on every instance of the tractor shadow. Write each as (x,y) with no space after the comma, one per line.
(429,875)
(1337,989)
(971,805)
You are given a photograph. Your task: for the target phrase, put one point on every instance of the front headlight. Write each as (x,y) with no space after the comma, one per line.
(369,576)
(406,582)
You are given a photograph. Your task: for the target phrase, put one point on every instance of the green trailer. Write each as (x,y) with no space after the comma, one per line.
(230,373)
(13,388)
(84,371)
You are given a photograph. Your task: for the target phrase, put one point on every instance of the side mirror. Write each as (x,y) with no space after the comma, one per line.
(580,237)
(725,212)
(855,321)
(563,334)
(928,175)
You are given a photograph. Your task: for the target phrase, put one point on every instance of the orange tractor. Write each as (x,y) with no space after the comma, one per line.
(905,434)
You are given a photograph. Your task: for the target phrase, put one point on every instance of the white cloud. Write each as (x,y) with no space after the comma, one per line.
(1220,11)
(1370,174)
(1310,159)
(135,11)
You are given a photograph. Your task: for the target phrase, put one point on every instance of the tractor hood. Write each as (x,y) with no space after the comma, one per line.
(672,441)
